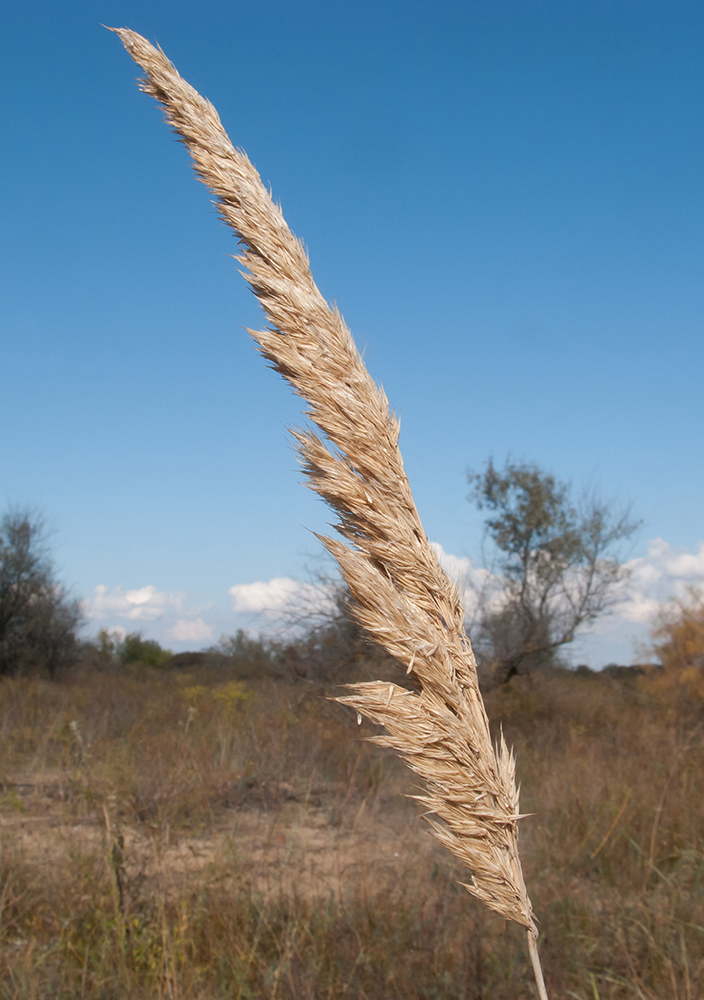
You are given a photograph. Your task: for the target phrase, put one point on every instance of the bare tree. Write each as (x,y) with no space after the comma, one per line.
(556,566)
(38,621)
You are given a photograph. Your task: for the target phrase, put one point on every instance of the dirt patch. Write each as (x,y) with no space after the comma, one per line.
(294,848)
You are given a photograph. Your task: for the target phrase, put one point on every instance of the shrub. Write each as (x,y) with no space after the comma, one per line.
(134,651)
(678,645)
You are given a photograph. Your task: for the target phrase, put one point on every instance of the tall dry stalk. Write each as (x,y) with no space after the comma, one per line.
(404,598)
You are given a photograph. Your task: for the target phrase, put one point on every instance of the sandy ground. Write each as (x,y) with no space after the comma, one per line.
(290,847)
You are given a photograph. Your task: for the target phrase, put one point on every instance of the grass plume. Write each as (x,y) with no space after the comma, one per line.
(403,596)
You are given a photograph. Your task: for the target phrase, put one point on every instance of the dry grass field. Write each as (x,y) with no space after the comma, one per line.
(189,835)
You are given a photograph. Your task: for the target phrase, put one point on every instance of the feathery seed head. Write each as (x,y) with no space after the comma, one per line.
(404,598)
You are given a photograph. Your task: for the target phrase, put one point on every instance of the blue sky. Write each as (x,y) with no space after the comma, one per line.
(506,201)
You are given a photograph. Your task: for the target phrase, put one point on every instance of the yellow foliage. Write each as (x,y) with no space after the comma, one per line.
(229,696)
(193,694)
(678,636)
(232,694)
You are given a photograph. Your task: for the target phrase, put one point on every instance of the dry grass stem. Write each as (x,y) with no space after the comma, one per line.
(404,598)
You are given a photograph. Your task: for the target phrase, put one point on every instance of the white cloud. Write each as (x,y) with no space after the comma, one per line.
(191,631)
(164,610)
(664,572)
(145,604)
(264,597)
(281,596)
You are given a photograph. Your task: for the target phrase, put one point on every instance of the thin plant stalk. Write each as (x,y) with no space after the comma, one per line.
(404,599)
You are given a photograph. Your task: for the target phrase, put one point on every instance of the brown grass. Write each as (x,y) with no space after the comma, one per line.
(403,597)
(159,840)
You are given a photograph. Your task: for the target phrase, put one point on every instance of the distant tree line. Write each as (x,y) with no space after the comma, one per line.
(553,565)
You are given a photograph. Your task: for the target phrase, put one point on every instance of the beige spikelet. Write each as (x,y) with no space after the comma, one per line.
(405,599)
